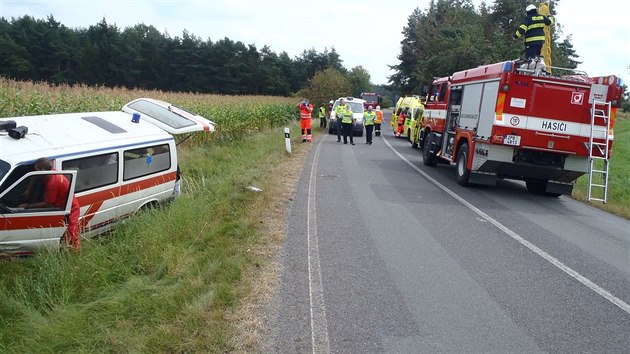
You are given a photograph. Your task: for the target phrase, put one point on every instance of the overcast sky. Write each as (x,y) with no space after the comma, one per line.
(366,32)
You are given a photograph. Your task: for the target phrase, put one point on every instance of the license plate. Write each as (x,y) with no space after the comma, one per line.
(514,140)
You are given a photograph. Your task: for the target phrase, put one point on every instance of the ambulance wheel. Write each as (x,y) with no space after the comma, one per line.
(428,158)
(409,135)
(463,173)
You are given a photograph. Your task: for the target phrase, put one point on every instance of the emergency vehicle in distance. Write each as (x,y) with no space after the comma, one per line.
(412,106)
(371,99)
(116,162)
(507,121)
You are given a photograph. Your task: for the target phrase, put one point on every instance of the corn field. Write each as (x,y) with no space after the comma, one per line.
(236,116)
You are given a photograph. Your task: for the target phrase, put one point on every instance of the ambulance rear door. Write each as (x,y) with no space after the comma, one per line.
(175,120)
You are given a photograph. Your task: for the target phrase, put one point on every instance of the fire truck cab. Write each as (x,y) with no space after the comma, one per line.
(506,121)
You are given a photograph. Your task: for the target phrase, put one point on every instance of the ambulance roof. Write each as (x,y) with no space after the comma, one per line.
(57,135)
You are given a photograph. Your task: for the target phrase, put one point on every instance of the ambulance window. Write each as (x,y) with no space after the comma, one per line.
(30,194)
(94,171)
(164,115)
(4,169)
(145,161)
(16,174)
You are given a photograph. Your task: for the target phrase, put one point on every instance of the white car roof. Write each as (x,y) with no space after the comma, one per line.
(58,135)
(351,99)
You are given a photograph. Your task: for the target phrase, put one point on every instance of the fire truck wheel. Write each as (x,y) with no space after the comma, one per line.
(462,165)
(428,158)
(421,140)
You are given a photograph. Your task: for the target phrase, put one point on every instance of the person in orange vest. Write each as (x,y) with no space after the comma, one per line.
(305,119)
(378,121)
(401,122)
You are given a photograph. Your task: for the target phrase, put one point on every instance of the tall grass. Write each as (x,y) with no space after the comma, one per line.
(161,282)
(166,279)
(618,200)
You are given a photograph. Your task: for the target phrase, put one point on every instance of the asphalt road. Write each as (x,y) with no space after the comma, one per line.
(384,254)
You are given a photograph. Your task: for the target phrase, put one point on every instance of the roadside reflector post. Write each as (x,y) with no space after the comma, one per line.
(287,140)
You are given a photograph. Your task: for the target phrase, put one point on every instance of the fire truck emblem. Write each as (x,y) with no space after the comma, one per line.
(514,121)
(577,98)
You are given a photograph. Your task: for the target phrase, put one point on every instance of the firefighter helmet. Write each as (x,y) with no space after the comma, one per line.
(530,8)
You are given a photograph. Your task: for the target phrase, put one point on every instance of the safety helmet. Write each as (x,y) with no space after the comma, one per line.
(370,108)
(530,8)
(331,102)
(378,107)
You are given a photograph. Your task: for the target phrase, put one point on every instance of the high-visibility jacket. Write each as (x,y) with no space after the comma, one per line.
(322,112)
(379,117)
(339,110)
(347,115)
(533,27)
(369,117)
(305,111)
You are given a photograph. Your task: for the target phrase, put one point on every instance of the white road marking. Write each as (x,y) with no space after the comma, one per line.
(577,276)
(319,325)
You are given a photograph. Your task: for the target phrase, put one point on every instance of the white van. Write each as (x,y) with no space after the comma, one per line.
(357,106)
(116,162)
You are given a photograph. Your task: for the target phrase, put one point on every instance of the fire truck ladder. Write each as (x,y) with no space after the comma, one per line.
(598,152)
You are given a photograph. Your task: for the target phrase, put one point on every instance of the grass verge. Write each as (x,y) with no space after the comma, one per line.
(167,280)
(618,200)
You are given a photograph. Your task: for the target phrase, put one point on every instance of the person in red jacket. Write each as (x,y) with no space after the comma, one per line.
(56,190)
(305,119)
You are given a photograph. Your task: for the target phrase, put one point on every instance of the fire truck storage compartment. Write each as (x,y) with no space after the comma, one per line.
(559,100)
(478,106)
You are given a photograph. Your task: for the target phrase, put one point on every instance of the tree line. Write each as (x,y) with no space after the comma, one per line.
(452,35)
(142,57)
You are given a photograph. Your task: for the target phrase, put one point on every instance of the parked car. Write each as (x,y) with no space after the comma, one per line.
(116,163)
(357,113)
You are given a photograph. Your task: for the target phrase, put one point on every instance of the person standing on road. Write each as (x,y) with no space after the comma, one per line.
(369,117)
(378,121)
(341,107)
(305,119)
(347,124)
(322,117)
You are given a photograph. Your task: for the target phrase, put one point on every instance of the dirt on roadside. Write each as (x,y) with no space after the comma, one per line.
(259,282)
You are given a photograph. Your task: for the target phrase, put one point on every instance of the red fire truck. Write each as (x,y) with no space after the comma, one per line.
(506,121)
(371,99)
